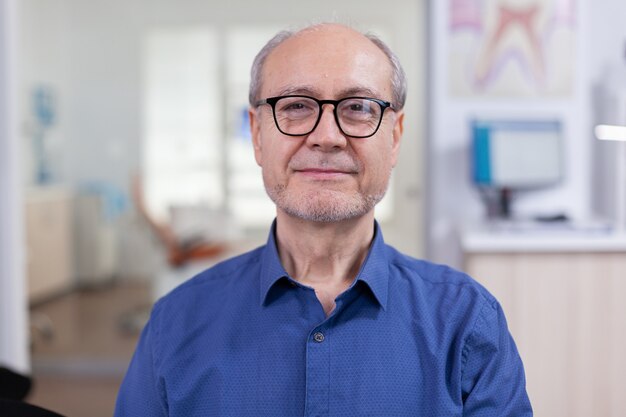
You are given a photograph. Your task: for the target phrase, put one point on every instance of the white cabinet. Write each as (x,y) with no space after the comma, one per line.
(564,298)
(95,250)
(48,216)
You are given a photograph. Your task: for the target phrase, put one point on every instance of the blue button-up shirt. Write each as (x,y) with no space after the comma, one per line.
(407,338)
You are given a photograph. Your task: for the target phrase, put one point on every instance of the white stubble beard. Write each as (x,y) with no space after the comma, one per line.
(325,205)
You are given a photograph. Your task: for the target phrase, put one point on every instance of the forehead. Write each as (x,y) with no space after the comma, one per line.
(328,62)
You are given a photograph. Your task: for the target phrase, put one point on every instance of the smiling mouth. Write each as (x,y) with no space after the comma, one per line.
(323,174)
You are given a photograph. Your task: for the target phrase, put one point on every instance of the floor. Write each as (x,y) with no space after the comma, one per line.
(81,345)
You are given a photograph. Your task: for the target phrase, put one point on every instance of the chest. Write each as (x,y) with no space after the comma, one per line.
(289,359)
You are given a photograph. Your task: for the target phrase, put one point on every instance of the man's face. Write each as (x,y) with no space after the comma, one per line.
(326,176)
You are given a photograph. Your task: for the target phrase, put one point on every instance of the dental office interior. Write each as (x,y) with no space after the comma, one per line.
(126,167)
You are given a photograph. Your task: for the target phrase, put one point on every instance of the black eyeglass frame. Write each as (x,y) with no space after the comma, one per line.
(273,100)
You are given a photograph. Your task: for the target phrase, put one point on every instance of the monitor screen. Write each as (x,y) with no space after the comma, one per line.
(517,154)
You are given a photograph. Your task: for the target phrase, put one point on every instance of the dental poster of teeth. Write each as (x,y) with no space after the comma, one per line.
(511,48)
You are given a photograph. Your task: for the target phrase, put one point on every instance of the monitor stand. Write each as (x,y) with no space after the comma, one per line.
(504,202)
(497,202)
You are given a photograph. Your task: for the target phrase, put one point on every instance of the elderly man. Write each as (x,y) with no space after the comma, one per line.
(325,319)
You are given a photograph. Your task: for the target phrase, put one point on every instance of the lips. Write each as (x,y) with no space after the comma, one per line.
(325,170)
(324,167)
(324,173)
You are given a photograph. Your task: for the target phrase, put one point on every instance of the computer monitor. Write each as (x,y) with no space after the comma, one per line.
(512,155)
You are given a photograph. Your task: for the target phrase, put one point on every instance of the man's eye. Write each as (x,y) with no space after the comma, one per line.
(294,106)
(357,110)
(356,107)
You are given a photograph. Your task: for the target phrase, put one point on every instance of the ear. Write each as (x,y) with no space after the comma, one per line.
(398,129)
(255,130)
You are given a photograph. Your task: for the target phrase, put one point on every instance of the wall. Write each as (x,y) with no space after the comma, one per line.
(13,313)
(44,64)
(606,40)
(607,62)
(453,201)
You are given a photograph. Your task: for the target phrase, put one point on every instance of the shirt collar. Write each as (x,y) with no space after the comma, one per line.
(374,271)
(271,268)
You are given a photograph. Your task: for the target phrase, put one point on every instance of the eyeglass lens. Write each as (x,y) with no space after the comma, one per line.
(299,115)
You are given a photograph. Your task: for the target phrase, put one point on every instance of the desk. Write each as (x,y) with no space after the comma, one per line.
(564,295)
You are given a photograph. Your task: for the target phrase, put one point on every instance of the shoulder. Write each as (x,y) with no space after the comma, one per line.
(231,275)
(433,273)
(437,285)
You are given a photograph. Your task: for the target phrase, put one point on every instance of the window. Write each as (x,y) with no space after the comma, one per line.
(182,146)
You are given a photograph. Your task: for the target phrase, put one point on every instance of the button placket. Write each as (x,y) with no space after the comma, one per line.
(317,373)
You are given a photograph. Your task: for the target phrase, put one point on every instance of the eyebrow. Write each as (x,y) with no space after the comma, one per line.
(360,91)
(309,90)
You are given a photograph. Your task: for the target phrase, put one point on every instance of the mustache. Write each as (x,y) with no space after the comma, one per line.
(341,163)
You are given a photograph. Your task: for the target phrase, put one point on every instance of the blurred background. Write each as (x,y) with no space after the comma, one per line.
(126,167)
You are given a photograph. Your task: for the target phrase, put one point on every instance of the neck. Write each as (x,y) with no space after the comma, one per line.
(323,254)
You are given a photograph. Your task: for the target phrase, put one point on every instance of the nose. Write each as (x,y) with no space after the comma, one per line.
(327,135)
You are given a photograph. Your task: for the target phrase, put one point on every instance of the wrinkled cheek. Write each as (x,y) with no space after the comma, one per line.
(273,180)
(377,181)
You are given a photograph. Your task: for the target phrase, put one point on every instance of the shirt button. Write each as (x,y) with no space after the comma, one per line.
(318,337)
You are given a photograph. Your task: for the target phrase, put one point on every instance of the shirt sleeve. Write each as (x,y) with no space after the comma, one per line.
(493,380)
(140,393)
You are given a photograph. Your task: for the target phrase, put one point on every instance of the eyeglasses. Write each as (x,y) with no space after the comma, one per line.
(357,117)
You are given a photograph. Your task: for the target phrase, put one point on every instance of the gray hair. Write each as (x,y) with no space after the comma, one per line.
(398,77)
